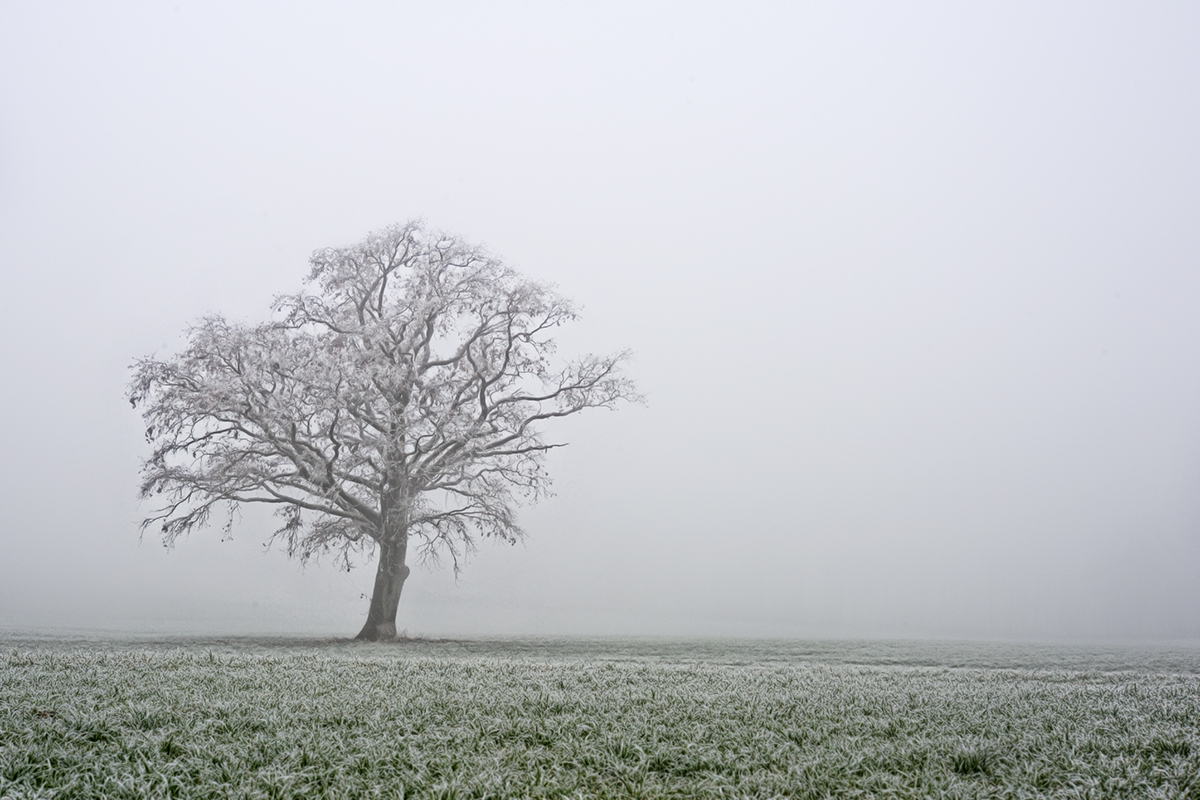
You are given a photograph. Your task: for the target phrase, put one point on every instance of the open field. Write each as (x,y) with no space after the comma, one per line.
(595,718)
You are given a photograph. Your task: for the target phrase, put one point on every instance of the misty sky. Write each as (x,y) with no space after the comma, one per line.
(914,291)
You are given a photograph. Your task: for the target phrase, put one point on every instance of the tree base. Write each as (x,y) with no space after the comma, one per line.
(389,580)
(377,632)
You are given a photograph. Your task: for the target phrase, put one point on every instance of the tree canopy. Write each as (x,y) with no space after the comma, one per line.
(400,398)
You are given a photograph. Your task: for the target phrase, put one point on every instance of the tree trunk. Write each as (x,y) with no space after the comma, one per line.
(389,580)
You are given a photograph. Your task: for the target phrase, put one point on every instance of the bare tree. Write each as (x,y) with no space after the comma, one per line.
(399,402)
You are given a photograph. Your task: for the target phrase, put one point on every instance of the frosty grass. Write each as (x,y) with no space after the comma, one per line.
(570,718)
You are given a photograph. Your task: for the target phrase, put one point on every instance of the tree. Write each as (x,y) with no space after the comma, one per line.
(400,401)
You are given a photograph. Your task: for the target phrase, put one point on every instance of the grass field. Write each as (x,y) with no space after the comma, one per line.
(601,718)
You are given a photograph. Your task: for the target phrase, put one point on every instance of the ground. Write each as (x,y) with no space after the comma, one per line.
(595,718)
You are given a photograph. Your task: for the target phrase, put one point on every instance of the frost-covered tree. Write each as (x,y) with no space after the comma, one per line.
(399,401)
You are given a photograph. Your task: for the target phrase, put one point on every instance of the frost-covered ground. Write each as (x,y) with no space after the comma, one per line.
(595,718)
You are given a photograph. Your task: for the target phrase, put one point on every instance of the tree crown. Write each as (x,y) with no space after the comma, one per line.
(402,396)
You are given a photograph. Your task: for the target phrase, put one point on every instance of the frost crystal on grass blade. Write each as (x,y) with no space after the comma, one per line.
(428,719)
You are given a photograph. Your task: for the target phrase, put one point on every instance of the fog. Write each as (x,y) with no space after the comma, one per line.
(914,293)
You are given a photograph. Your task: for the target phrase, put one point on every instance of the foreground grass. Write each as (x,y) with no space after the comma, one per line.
(347,721)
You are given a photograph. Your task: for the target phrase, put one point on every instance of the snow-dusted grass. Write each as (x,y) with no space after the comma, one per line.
(529,720)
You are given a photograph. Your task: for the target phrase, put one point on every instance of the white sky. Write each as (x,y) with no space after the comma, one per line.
(914,291)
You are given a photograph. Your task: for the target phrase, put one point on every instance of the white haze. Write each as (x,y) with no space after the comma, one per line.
(914,291)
